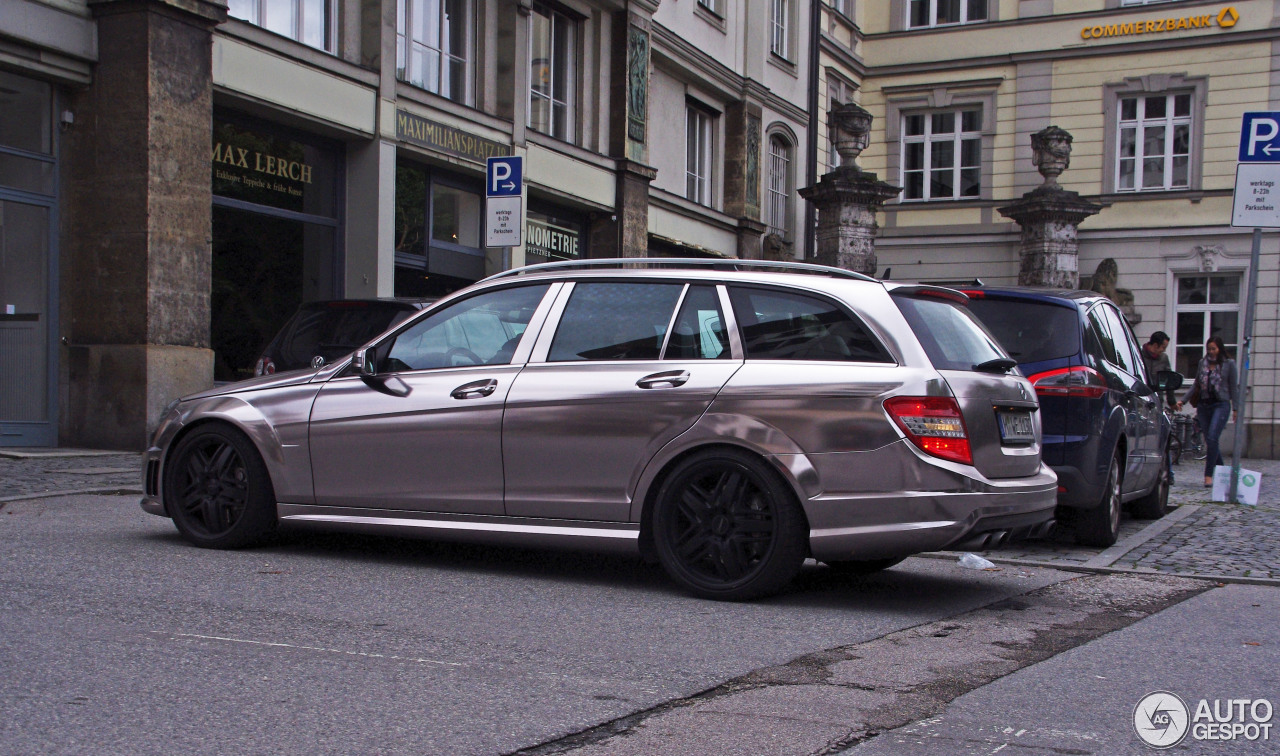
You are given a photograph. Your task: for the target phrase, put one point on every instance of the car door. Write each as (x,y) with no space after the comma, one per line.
(630,366)
(1141,400)
(425,432)
(1120,384)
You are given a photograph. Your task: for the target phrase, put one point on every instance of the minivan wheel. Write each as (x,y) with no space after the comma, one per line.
(1155,504)
(217,489)
(1100,526)
(727,527)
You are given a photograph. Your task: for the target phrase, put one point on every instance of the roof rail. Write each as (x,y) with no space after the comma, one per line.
(658,263)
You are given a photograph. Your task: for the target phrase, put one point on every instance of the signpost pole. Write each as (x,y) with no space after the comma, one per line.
(1243,364)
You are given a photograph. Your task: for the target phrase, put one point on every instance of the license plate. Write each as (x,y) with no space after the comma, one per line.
(1016,427)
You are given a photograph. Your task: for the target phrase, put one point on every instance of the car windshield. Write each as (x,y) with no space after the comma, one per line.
(1030,331)
(331,330)
(950,335)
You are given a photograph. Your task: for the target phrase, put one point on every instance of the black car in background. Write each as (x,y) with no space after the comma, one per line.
(1105,433)
(329,329)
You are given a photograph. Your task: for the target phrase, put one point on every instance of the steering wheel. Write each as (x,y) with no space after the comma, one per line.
(461,352)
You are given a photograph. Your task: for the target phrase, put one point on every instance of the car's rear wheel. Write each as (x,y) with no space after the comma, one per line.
(1155,504)
(217,489)
(1100,525)
(862,567)
(727,527)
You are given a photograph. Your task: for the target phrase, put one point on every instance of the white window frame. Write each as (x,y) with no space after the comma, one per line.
(932,5)
(779,28)
(699,153)
(929,139)
(1168,123)
(566,58)
(712,5)
(407,12)
(1180,342)
(257,12)
(781,161)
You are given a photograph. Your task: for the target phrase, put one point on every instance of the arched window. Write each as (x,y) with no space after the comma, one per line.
(779,186)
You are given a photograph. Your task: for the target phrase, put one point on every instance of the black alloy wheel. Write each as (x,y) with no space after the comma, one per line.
(1155,503)
(217,489)
(1100,526)
(727,527)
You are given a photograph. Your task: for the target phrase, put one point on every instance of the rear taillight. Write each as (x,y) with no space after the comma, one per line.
(265,366)
(1072,381)
(934,424)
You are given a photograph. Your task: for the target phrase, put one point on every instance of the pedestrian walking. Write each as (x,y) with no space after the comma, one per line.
(1154,359)
(1214,396)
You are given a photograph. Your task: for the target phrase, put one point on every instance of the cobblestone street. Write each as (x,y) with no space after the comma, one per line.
(1199,538)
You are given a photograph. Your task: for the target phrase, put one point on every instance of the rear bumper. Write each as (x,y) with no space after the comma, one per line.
(887,525)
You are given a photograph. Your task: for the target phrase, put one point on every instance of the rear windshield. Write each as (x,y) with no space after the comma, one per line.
(332,331)
(950,335)
(1030,331)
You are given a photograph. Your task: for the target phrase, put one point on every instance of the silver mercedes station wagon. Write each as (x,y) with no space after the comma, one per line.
(728,418)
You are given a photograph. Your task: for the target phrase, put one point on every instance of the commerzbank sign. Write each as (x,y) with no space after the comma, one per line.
(1224,19)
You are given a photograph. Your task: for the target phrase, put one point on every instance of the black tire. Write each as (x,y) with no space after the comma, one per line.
(217,489)
(727,527)
(862,567)
(1100,525)
(1155,504)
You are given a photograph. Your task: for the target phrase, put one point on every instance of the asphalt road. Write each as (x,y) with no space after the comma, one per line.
(121,638)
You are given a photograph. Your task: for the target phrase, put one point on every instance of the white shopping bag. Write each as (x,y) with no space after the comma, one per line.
(1246,489)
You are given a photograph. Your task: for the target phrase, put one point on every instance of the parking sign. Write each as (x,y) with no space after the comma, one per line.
(1260,138)
(504,201)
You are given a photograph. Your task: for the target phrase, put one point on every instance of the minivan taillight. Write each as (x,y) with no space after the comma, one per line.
(1072,381)
(934,424)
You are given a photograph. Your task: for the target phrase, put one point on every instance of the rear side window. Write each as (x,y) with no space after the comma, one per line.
(615,321)
(1030,331)
(782,325)
(949,333)
(699,332)
(1100,332)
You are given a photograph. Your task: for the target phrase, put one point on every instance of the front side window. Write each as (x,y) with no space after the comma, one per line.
(778,36)
(698,152)
(1154,142)
(615,321)
(310,22)
(434,46)
(482,330)
(1207,305)
(552,62)
(779,185)
(942,154)
(927,13)
(783,325)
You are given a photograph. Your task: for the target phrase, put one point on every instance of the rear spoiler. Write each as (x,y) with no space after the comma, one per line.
(923,290)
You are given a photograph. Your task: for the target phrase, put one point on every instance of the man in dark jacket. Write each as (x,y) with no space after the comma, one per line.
(1154,360)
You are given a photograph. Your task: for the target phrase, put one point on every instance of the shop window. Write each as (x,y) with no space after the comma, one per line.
(779,186)
(1206,305)
(310,22)
(552,72)
(942,154)
(434,47)
(26,146)
(928,13)
(552,234)
(437,222)
(699,149)
(779,32)
(1155,129)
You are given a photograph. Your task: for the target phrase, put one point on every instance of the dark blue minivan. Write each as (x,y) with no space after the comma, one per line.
(1105,433)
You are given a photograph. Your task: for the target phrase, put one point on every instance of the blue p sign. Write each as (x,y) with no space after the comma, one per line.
(504,176)
(1260,138)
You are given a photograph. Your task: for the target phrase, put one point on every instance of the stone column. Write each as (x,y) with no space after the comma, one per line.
(1049,216)
(137,221)
(848,197)
(742,127)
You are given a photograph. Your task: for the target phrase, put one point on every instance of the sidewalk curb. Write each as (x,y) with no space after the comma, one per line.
(1082,569)
(1111,554)
(113,490)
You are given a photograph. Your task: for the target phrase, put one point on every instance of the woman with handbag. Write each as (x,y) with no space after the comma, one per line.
(1214,397)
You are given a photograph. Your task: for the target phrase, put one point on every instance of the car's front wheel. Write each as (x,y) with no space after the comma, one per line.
(217,489)
(1100,526)
(727,527)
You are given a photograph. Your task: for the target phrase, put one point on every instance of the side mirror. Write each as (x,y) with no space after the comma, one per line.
(1167,380)
(363,360)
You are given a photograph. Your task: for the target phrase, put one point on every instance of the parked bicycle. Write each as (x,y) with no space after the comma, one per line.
(1186,437)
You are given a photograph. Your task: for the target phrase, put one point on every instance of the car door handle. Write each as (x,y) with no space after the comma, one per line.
(669,379)
(475,389)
